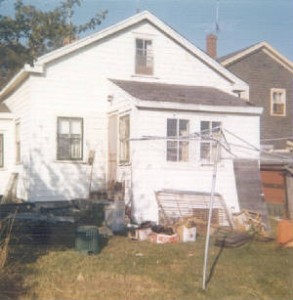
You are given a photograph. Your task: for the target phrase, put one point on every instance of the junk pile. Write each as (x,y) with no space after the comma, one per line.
(246,225)
(183,231)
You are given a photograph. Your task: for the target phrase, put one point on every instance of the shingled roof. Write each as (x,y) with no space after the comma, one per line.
(202,95)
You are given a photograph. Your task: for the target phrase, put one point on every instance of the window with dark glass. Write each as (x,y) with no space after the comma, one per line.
(177,140)
(144,57)
(278,102)
(70,138)
(210,132)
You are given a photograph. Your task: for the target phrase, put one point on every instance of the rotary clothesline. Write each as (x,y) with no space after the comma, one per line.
(208,135)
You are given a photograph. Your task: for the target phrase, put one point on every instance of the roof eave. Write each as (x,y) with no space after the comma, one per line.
(22,75)
(145,104)
(267,48)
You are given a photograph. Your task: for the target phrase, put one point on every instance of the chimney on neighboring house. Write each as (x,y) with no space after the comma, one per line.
(211,45)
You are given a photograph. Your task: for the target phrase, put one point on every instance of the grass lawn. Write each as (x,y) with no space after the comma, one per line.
(133,270)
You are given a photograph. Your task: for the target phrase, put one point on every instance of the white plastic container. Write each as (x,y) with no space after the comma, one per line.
(188,234)
(115,216)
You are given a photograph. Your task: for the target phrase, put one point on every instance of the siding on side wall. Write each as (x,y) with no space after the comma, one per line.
(77,85)
(262,73)
(152,172)
(19,104)
(6,129)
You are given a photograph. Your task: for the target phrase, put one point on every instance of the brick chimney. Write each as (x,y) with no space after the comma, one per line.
(211,45)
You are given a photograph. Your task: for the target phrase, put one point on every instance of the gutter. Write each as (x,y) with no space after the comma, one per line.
(144,104)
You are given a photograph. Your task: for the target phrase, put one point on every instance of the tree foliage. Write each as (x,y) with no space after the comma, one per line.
(32,32)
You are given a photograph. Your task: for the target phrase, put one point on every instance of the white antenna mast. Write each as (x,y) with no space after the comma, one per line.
(217,17)
(137,6)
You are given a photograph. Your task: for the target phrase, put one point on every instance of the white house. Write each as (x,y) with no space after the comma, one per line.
(142,99)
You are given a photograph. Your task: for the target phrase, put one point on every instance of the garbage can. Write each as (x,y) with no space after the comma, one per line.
(87,239)
(285,231)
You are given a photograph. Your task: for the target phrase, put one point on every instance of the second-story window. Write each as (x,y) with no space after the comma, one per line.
(177,140)
(278,102)
(144,60)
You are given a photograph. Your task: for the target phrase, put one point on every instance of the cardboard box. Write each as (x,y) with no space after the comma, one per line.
(160,238)
(140,234)
(187,234)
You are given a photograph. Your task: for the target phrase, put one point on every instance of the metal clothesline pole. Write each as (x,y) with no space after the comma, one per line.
(212,198)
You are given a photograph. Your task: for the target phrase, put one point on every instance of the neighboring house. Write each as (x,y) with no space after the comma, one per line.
(270,78)
(135,103)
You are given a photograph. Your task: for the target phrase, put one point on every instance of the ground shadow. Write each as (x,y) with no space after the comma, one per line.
(213,267)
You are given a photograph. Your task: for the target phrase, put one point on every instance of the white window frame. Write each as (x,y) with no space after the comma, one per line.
(17,142)
(74,140)
(1,150)
(280,101)
(144,56)
(124,136)
(209,137)
(177,148)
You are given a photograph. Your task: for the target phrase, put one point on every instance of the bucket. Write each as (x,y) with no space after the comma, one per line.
(87,239)
(285,231)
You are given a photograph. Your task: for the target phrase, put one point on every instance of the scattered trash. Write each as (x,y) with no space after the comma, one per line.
(80,277)
(248,221)
(183,231)
(160,238)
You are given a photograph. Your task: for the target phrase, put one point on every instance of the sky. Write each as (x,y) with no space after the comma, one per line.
(242,23)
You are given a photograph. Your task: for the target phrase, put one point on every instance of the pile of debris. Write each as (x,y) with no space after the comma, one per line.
(182,231)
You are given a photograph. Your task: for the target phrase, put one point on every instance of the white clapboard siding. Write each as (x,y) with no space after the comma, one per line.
(78,85)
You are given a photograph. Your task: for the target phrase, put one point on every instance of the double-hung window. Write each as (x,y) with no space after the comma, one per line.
(70,138)
(278,102)
(210,132)
(1,150)
(144,59)
(177,140)
(124,134)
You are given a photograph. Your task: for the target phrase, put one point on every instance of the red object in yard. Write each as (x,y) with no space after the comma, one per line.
(285,231)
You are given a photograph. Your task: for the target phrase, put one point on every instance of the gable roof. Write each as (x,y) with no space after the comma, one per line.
(40,63)
(263,46)
(205,95)
(152,95)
